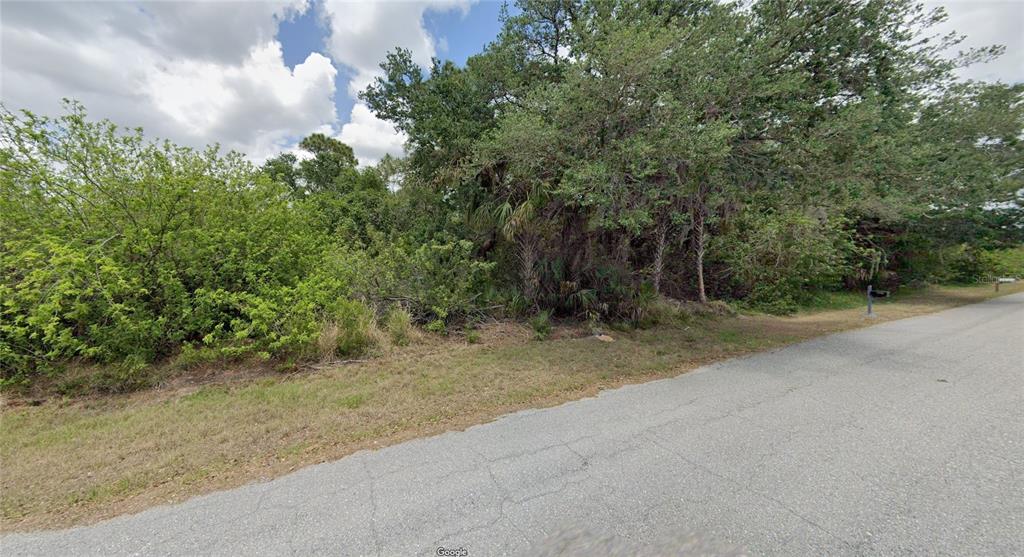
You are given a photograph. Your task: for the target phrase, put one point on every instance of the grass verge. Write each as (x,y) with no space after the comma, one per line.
(68,462)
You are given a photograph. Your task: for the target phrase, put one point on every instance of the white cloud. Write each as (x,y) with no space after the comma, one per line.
(195,73)
(362,33)
(259,104)
(370,137)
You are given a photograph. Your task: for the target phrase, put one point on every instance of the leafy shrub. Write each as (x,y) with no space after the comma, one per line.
(541,325)
(517,305)
(437,326)
(968,264)
(434,281)
(192,356)
(780,259)
(642,305)
(1007,262)
(118,250)
(773,298)
(965,264)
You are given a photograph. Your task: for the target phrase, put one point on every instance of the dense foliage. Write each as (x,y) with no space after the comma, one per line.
(595,156)
(122,252)
(750,151)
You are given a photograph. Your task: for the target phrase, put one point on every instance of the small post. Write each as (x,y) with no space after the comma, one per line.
(870,312)
(997,285)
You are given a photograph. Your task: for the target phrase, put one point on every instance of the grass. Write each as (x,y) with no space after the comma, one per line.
(75,461)
(836,300)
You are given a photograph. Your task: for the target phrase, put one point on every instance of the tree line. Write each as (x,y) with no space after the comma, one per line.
(593,159)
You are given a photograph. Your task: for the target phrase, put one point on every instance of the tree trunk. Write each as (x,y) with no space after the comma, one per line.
(528,267)
(622,250)
(699,245)
(659,258)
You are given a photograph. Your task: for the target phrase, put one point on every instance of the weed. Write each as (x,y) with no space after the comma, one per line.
(437,326)
(398,323)
(541,325)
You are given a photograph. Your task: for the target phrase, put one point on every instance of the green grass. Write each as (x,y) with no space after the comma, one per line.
(821,301)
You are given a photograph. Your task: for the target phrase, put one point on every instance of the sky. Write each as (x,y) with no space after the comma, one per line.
(258,76)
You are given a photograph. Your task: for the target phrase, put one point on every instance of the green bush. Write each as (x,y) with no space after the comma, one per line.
(642,306)
(194,356)
(398,323)
(437,326)
(434,281)
(966,264)
(541,325)
(1008,262)
(116,250)
(780,260)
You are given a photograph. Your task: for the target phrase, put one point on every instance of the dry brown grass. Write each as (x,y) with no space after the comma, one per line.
(77,461)
(327,342)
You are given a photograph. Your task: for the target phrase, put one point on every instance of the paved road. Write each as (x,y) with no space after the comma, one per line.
(906,437)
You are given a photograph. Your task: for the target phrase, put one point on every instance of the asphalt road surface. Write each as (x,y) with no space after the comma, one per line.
(906,437)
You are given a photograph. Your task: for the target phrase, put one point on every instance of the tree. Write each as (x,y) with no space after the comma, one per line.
(331,159)
(284,169)
(348,201)
(597,144)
